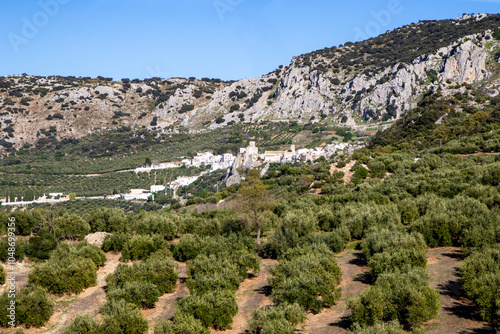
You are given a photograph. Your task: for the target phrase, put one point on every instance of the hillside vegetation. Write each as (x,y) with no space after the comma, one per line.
(428,185)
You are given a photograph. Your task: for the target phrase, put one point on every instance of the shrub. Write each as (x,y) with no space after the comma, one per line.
(20,248)
(182,324)
(141,246)
(282,319)
(185,108)
(307,275)
(446,220)
(83,324)
(296,224)
(152,223)
(189,247)
(361,173)
(214,309)
(122,317)
(142,294)
(403,295)
(114,242)
(390,248)
(3,275)
(336,240)
(71,226)
(107,220)
(68,275)
(208,273)
(33,307)
(481,280)
(158,269)
(88,251)
(70,269)
(496,34)
(392,327)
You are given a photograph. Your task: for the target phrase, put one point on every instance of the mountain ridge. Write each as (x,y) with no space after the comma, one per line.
(355,84)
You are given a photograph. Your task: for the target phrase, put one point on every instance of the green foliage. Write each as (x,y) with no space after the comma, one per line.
(142,294)
(282,319)
(400,295)
(392,327)
(496,34)
(141,246)
(3,275)
(70,269)
(114,242)
(336,240)
(152,223)
(190,247)
(33,307)
(361,173)
(390,248)
(481,279)
(214,309)
(182,324)
(107,220)
(122,317)
(41,246)
(158,269)
(309,276)
(223,271)
(83,324)
(360,217)
(295,225)
(446,220)
(20,248)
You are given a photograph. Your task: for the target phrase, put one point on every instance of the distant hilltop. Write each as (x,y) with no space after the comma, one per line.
(355,84)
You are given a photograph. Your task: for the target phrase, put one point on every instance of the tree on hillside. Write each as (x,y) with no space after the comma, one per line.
(255,203)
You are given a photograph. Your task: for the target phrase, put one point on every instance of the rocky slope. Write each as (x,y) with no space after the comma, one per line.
(375,80)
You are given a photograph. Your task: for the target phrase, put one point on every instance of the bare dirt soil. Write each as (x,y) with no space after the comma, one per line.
(166,306)
(336,318)
(457,314)
(251,296)
(346,170)
(68,307)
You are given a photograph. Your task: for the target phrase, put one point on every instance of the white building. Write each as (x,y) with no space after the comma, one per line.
(137,194)
(157,188)
(228,157)
(183,181)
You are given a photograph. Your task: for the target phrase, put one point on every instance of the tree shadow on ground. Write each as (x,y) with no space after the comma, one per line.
(359,260)
(365,278)
(265,290)
(463,309)
(452,289)
(457,255)
(344,323)
(482,330)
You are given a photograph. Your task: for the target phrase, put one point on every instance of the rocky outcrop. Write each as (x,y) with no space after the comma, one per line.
(313,87)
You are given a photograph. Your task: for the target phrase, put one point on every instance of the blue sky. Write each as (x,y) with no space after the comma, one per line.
(228,39)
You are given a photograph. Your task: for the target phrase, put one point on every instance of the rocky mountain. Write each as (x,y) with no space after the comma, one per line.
(354,84)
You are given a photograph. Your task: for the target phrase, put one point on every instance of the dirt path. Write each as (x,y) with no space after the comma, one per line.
(251,296)
(165,307)
(68,307)
(346,170)
(457,314)
(336,318)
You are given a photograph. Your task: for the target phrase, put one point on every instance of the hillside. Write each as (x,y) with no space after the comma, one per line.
(354,84)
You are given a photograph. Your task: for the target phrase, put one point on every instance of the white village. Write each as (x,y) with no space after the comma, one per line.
(247,158)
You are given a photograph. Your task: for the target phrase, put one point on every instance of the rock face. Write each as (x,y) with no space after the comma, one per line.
(365,81)
(467,65)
